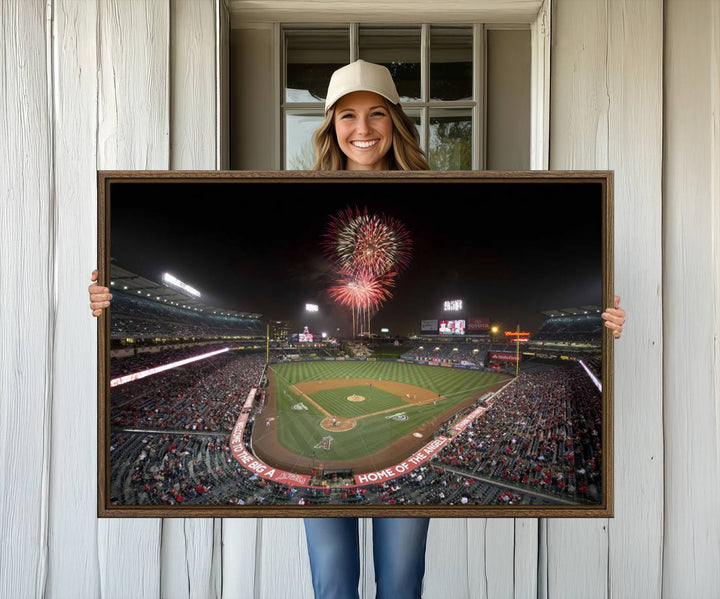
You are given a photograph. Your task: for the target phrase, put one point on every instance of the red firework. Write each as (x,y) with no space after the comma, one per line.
(362,291)
(374,244)
(368,251)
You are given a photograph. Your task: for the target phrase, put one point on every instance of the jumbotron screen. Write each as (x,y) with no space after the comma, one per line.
(452,327)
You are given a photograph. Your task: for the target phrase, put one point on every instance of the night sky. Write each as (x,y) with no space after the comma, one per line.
(508,250)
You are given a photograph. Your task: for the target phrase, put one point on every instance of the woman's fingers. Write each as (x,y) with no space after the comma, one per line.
(99,296)
(615,318)
(616,329)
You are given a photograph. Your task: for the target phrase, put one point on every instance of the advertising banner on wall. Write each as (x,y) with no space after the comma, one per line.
(504,357)
(429,326)
(478,325)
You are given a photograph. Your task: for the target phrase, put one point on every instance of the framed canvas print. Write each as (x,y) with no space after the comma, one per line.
(293,344)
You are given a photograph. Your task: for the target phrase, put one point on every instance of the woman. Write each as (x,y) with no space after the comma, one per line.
(365,128)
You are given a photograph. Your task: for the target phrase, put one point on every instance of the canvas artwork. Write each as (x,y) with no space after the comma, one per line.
(355,344)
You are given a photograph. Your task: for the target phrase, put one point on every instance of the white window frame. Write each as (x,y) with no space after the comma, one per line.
(425,105)
(534,14)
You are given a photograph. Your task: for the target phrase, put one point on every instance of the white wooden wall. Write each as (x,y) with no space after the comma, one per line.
(607,113)
(133,84)
(691,292)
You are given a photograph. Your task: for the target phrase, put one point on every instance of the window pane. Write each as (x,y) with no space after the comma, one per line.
(451,61)
(415,116)
(398,50)
(508,100)
(311,57)
(450,145)
(299,151)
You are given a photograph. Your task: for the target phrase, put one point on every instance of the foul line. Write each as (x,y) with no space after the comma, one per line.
(313,402)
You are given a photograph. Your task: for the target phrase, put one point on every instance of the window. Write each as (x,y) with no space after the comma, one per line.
(468,88)
(440,72)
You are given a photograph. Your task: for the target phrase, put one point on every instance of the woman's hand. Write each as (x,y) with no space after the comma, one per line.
(615,318)
(99,296)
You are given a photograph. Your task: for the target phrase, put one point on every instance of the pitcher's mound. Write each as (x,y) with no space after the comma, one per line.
(340,424)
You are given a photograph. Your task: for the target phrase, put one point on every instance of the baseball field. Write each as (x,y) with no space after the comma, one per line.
(359,415)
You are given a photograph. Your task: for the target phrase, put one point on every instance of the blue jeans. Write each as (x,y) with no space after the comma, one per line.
(398,553)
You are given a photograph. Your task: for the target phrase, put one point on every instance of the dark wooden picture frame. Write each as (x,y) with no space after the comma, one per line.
(216,402)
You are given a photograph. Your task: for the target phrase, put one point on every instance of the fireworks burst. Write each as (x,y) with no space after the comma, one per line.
(368,251)
(362,291)
(370,243)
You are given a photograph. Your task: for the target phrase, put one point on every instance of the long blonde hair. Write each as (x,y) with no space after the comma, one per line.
(405,154)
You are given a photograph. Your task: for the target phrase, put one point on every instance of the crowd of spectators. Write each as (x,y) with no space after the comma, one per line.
(304,352)
(199,468)
(435,484)
(542,431)
(206,395)
(594,364)
(142,318)
(146,357)
(473,353)
(581,329)
(358,350)
(177,469)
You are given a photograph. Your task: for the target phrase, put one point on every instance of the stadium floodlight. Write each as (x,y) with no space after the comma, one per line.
(172,281)
(324,335)
(311,308)
(453,305)
(384,330)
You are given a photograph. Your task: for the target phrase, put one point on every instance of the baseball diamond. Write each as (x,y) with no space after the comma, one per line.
(361,415)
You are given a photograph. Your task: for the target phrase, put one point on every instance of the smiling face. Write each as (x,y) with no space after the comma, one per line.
(364,130)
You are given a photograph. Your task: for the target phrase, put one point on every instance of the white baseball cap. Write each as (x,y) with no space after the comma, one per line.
(361,76)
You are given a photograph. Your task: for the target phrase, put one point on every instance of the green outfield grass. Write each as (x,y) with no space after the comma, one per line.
(299,430)
(388,350)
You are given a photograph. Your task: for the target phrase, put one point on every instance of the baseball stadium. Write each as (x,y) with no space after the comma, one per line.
(210,405)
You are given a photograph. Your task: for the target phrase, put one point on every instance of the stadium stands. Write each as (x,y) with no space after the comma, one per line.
(539,442)
(143,318)
(579,329)
(543,433)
